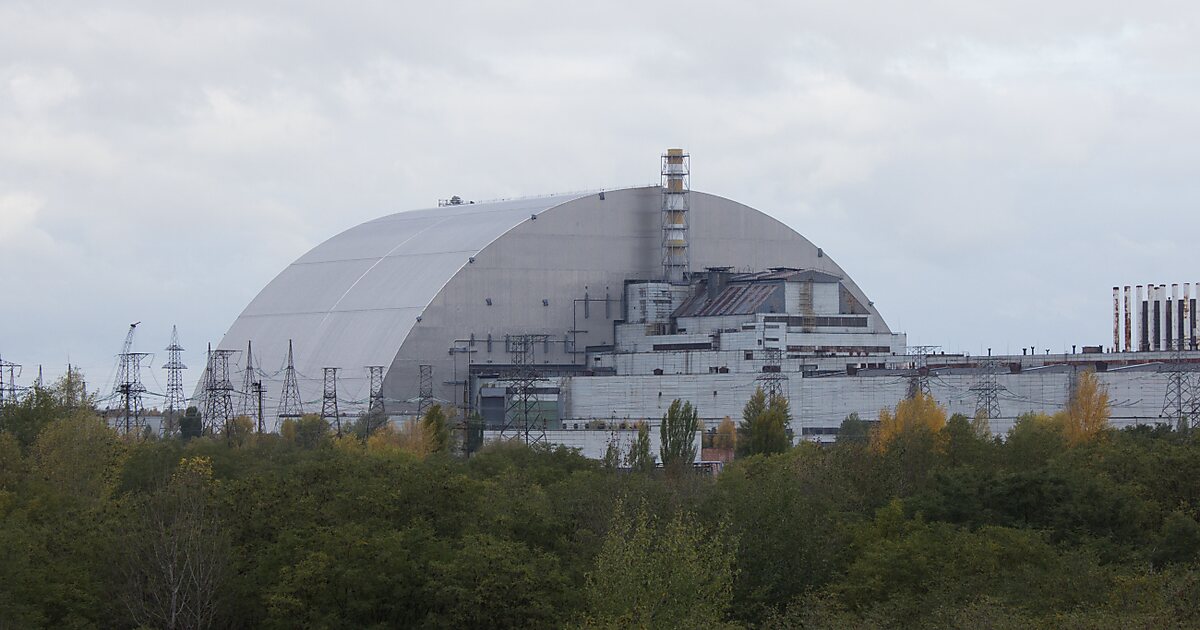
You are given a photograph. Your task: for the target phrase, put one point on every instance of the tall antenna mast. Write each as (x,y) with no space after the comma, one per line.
(675,184)
(289,401)
(176,402)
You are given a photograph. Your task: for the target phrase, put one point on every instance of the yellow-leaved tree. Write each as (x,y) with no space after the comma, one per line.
(409,437)
(918,412)
(726,436)
(1088,411)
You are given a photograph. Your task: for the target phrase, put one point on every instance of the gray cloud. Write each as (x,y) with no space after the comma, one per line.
(986,171)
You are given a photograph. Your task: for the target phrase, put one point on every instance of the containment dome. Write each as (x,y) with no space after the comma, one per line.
(447,287)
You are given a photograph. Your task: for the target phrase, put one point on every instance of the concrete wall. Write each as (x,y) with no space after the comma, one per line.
(594,443)
(1136,397)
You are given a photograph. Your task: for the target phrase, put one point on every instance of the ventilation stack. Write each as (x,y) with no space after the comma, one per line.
(675,167)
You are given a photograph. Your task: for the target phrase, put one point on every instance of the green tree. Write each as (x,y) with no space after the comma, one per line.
(239,430)
(191,425)
(677,436)
(653,574)
(12,463)
(71,391)
(311,431)
(176,553)
(640,458)
(612,455)
(854,429)
(437,429)
(764,425)
(473,433)
(26,416)
(80,456)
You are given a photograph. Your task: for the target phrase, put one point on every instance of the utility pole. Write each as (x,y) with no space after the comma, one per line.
(259,391)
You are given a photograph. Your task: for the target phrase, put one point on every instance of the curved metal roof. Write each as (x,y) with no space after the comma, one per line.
(358,294)
(354,300)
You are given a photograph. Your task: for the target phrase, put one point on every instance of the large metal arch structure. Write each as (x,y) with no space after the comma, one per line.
(399,291)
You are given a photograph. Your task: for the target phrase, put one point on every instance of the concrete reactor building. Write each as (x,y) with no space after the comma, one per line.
(565,313)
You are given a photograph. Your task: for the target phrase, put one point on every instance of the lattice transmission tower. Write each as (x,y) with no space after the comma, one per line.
(919,381)
(987,390)
(250,404)
(424,389)
(329,400)
(290,405)
(218,391)
(1181,401)
(376,412)
(772,380)
(128,387)
(176,401)
(8,381)
(523,415)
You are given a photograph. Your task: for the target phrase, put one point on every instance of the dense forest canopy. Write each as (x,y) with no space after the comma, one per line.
(914,520)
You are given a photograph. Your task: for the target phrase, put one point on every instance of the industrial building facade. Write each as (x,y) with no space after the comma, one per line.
(596,309)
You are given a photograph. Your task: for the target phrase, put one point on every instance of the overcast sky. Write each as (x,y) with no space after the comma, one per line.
(986,171)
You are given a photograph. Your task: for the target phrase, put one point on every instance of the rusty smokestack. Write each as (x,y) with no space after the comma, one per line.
(1116,319)
(1128,321)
